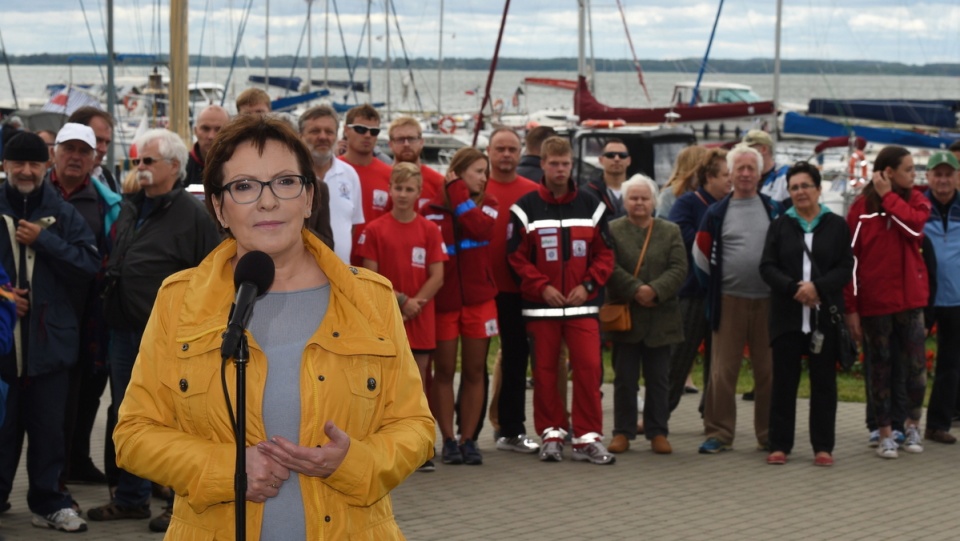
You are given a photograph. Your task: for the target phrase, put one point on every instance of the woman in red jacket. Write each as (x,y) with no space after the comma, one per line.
(885,300)
(465,305)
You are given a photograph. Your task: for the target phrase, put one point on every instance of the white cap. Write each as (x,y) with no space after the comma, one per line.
(71,131)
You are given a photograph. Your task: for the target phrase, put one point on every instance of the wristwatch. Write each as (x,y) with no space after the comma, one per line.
(589,286)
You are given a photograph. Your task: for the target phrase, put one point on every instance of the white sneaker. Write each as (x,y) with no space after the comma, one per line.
(913,444)
(887,448)
(874,440)
(65,519)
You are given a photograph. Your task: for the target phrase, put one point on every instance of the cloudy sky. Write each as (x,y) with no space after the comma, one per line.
(913,32)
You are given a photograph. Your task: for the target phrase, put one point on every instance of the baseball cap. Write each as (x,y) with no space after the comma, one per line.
(943,157)
(71,131)
(757,137)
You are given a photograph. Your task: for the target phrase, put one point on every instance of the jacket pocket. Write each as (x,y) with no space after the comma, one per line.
(192,379)
(365,380)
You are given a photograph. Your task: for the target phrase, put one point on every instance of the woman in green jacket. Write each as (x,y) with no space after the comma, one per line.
(651,293)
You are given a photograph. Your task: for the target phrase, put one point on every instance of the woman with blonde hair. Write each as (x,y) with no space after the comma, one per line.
(682,180)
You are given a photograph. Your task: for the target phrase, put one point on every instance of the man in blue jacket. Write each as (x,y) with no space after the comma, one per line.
(48,251)
(943,178)
(726,253)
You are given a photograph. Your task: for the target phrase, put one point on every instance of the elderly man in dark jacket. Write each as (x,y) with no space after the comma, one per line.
(161,230)
(48,252)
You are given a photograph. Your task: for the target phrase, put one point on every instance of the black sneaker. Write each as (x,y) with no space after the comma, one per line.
(85,473)
(161,522)
(427,467)
(748,396)
(470,453)
(451,453)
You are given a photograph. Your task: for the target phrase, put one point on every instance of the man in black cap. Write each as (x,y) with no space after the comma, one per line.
(48,252)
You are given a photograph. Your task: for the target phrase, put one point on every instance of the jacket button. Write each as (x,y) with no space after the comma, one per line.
(336,334)
(371,384)
(183,385)
(321,378)
(326,518)
(185,347)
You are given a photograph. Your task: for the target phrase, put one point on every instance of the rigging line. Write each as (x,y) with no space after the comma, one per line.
(13,89)
(93,44)
(633,50)
(203,29)
(139,24)
(403,47)
(236,49)
(363,33)
(103,24)
(351,69)
(296,57)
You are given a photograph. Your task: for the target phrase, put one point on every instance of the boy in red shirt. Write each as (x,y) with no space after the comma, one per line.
(408,249)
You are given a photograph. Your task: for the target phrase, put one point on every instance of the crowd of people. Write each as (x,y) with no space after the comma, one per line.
(390,276)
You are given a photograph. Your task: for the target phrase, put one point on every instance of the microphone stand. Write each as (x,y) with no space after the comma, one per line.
(240,358)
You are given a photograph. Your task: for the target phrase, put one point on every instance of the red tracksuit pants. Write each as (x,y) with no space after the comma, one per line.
(582,336)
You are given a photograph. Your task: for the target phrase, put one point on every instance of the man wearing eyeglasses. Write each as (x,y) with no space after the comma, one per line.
(161,230)
(615,160)
(361,131)
(406,144)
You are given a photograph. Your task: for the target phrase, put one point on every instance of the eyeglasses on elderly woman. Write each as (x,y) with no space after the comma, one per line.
(248,190)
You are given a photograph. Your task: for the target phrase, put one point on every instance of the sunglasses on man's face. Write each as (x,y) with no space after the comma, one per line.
(362,130)
(148,161)
(612,155)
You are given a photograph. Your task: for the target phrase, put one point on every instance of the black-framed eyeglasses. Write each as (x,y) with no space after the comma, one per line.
(248,190)
(612,155)
(362,130)
(405,140)
(148,161)
(803,186)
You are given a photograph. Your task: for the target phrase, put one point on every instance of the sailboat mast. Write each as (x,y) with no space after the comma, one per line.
(581,39)
(326,45)
(179,97)
(111,86)
(386,19)
(369,44)
(776,68)
(440,64)
(266,52)
(309,45)
(695,95)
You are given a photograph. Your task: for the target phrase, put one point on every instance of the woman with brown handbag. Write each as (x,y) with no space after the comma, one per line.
(651,264)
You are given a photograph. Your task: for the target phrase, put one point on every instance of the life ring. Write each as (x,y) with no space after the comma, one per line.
(498,107)
(447,125)
(857,164)
(592,123)
(130,103)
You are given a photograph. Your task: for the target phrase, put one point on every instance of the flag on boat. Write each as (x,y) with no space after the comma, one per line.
(472,91)
(516,97)
(69,100)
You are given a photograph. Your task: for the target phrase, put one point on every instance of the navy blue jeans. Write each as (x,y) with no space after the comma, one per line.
(132,491)
(35,407)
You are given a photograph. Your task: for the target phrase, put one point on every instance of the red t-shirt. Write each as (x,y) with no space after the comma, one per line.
(507,194)
(374,194)
(432,185)
(404,252)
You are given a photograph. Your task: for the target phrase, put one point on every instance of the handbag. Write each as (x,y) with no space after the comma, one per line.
(615,316)
(847,352)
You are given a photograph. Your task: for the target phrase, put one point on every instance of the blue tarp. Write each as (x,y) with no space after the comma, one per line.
(937,113)
(797,124)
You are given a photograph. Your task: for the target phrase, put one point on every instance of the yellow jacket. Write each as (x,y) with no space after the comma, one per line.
(357,371)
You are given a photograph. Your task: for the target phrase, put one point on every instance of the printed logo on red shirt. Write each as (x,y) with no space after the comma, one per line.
(380,198)
(579,248)
(419,258)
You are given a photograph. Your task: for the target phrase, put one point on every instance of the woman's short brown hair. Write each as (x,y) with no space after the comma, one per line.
(256,129)
(710,165)
(461,161)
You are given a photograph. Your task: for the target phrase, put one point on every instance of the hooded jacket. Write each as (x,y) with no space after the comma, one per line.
(889,275)
(64,261)
(357,371)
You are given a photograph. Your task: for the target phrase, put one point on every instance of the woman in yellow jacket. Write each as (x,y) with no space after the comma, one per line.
(351,422)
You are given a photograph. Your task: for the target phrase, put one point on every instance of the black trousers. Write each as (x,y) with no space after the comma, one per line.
(83,402)
(513,365)
(947,378)
(696,329)
(627,360)
(787,351)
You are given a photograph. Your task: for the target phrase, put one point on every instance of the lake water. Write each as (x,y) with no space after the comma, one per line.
(616,89)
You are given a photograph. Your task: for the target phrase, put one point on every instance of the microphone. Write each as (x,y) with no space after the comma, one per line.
(252,277)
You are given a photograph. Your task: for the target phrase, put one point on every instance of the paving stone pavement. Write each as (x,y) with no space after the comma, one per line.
(730,496)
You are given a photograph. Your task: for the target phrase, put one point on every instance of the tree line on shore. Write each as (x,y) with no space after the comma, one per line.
(720,65)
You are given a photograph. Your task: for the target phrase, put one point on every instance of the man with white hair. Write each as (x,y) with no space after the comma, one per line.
(161,230)
(727,253)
